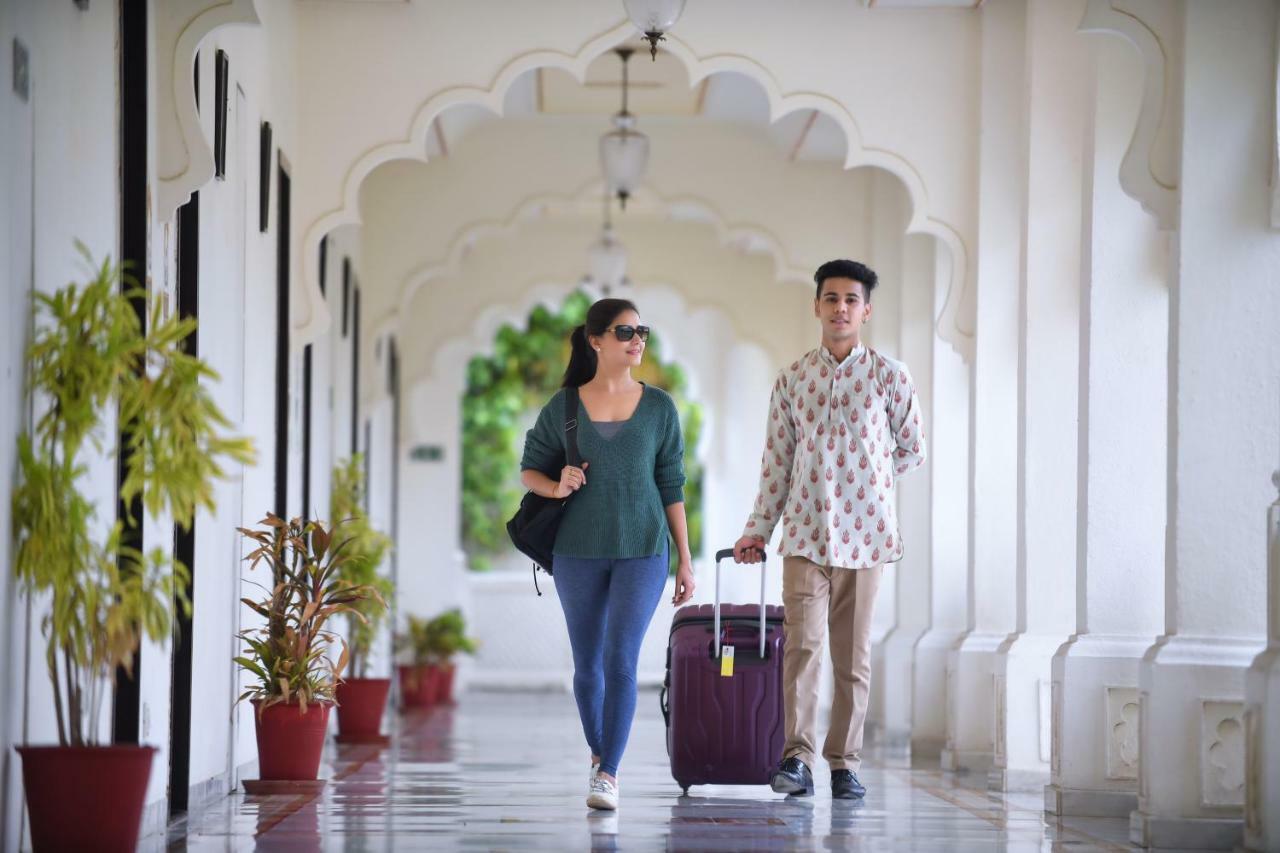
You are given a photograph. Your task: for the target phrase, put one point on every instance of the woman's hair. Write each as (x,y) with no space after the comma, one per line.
(582,358)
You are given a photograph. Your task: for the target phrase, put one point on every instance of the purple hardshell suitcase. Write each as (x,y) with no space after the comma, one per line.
(724,730)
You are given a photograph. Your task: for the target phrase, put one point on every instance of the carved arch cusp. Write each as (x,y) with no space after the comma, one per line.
(184,159)
(1158,116)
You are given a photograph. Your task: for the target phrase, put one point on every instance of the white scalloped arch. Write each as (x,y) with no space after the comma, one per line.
(951,325)
(756,238)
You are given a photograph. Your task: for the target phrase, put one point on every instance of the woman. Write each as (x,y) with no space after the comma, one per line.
(611,551)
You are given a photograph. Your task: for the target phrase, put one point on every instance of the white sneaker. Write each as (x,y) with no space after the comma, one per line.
(604,794)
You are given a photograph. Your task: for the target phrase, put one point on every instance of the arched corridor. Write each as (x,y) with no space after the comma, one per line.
(1072,206)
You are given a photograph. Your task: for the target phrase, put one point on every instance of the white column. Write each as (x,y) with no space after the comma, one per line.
(433,573)
(993,429)
(945,585)
(883,333)
(911,573)
(1121,457)
(1056,69)
(1262,711)
(1223,427)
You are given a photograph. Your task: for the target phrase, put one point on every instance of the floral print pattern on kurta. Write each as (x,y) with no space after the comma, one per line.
(839,436)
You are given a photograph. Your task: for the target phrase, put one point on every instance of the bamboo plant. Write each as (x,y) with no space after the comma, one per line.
(366,549)
(290,654)
(90,357)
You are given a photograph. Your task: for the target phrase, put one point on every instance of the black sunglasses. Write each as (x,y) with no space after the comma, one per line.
(626,333)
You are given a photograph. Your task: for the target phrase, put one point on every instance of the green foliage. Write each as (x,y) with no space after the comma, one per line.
(526,368)
(366,548)
(290,654)
(90,356)
(436,640)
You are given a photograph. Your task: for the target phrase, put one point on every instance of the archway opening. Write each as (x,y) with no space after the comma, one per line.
(504,391)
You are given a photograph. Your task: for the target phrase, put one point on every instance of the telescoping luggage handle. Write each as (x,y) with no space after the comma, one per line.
(727,553)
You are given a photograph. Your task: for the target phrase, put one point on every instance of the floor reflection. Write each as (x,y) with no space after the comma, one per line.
(507,771)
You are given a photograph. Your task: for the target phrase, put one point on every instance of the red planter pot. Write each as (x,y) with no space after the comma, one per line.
(418,685)
(85,798)
(444,683)
(289,741)
(361,702)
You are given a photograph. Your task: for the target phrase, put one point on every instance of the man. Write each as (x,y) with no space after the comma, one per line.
(844,423)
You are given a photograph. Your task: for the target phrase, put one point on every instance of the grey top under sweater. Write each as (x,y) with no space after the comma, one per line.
(631,477)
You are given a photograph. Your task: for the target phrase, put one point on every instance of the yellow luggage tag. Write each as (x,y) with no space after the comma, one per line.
(726,661)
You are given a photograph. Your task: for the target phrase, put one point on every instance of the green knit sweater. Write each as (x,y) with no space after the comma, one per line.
(631,477)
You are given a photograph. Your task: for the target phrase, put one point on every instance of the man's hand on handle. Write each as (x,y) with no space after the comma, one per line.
(749,549)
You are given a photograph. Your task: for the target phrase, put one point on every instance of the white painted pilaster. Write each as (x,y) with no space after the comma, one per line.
(1262,711)
(945,590)
(1120,508)
(1048,378)
(994,390)
(1223,427)
(911,573)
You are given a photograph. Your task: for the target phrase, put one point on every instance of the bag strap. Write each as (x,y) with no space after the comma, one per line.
(571,454)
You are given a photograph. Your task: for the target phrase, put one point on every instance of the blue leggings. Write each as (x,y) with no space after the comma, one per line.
(608,605)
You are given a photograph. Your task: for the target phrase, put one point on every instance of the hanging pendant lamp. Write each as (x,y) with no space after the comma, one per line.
(654,18)
(606,257)
(624,151)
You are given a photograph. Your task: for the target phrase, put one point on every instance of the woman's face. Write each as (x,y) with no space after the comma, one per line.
(616,353)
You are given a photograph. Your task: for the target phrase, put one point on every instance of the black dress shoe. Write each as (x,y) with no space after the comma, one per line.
(845,786)
(792,777)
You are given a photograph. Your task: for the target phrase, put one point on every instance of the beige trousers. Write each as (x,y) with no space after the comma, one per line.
(821,600)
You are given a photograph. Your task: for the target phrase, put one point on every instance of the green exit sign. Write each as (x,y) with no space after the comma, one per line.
(427,453)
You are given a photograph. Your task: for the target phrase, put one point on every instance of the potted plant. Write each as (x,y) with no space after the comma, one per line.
(448,638)
(431,645)
(289,655)
(361,699)
(90,355)
(417,676)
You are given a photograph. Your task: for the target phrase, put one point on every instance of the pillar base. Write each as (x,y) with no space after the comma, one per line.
(1023,718)
(1177,832)
(1191,784)
(970,703)
(896,680)
(1094,767)
(1262,744)
(1071,802)
(1003,779)
(929,690)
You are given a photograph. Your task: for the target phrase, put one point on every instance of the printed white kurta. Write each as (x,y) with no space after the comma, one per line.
(839,435)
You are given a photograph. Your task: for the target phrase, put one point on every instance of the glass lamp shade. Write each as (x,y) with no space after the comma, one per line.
(624,157)
(654,17)
(607,260)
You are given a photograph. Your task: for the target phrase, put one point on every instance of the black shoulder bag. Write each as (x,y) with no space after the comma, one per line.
(533,528)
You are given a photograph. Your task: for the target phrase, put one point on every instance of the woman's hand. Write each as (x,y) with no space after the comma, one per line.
(571,479)
(684,583)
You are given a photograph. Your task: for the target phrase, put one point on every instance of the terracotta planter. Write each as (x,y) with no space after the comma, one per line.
(418,685)
(444,683)
(289,741)
(361,702)
(85,798)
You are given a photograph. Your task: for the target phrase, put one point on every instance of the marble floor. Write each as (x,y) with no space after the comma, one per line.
(507,771)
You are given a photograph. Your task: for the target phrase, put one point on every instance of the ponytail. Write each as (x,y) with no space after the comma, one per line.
(582,360)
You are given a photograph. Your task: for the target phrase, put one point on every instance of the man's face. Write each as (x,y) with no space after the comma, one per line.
(842,308)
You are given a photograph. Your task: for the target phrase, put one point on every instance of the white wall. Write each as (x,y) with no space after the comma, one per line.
(59,184)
